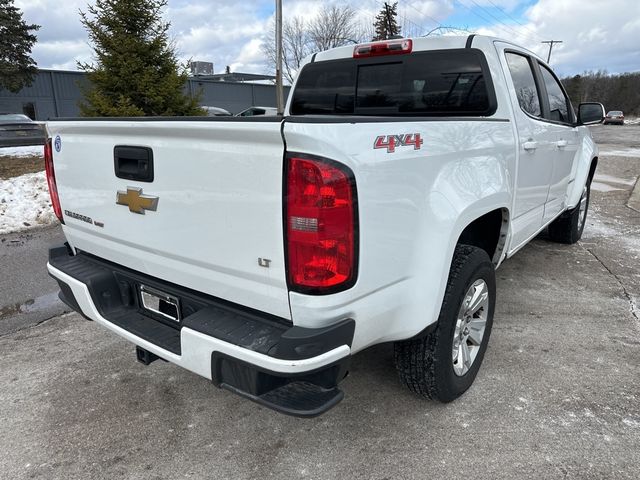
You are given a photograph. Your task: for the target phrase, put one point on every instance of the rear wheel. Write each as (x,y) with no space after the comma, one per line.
(569,226)
(443,364)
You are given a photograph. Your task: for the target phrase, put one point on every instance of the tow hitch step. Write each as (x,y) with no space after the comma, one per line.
(145,356)
(299,399)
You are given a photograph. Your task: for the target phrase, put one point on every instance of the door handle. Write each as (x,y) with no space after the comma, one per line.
(133,163)
(562,143)
(530,146)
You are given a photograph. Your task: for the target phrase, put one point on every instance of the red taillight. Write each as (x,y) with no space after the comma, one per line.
(51,180)
(321,225)
(389,47)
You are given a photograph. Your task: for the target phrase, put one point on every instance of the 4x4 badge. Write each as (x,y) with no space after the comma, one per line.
(390,142)
(136,201)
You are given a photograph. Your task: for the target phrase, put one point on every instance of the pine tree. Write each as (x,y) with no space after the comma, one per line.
(386,25)
(17,68)
(136,71)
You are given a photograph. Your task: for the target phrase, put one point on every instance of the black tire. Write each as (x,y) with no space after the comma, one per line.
(425,364)
(568,227)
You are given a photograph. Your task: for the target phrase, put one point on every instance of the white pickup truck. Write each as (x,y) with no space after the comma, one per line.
(261,253)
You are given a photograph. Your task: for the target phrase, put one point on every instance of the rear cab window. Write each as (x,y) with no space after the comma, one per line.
(430,83)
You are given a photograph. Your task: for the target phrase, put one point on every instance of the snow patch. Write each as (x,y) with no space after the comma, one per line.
(603,187)
(603,177)
(596,227)
(32,151)
(609,183)
(628,152)
(25,203)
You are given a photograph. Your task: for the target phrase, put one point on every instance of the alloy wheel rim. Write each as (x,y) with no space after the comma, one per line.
(470,327)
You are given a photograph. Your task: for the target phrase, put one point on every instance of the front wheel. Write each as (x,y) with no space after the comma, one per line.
(568,227)
(443,364)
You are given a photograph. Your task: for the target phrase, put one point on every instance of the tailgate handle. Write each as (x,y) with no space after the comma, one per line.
(133,163)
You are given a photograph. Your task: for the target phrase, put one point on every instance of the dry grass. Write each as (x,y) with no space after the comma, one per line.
(16,166)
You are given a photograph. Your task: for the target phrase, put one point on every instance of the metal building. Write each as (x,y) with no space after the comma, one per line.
(56,93)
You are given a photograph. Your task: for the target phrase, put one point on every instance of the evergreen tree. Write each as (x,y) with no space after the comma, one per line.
(17,68)
(136,71)
(386,24)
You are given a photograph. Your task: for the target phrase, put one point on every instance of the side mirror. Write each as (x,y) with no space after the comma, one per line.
(590,113)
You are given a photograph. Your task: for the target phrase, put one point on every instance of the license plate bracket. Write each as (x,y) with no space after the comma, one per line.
(160,303)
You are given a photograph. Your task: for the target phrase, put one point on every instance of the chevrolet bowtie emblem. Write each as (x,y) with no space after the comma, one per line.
(136,201)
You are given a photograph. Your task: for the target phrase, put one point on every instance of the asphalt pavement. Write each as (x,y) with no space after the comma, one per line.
(557,396)
(28,295)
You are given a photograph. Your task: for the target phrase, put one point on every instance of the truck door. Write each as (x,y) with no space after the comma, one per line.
(557,110)
(536,144)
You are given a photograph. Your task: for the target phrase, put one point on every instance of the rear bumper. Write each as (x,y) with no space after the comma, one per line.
(291,369)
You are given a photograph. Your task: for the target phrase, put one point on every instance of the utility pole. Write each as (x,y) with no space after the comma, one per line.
(551,43)
(279,89)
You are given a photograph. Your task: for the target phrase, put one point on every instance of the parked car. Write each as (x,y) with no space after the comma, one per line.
(253,111)
(17,129)
(216,111)
(615,117)
(378,209)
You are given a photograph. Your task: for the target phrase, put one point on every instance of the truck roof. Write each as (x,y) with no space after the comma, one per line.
(422,43)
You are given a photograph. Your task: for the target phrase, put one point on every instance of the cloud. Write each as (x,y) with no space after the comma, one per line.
(57,20)
(63,54)
(596,35)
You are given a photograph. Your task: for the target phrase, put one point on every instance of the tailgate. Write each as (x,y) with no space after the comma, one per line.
(218,186)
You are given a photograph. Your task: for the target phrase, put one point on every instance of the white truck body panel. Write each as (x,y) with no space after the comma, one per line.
(415,202)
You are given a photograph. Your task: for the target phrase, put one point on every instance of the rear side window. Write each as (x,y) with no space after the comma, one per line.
(524,83)
(440,82)
(558,102)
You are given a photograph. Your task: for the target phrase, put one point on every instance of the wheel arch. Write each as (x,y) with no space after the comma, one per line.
(592,168)
(488,231)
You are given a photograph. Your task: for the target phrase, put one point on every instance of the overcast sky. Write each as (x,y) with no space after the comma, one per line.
(597,34)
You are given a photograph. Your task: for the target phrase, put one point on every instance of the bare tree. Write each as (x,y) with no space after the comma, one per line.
(615,91)
(296,46)
(332,27)
(444,30)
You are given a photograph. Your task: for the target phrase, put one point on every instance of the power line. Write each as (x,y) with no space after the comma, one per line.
(505,28)
(551,43)
(504,12)
(366,15)
(417,28)
(422,28)
(425,15)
